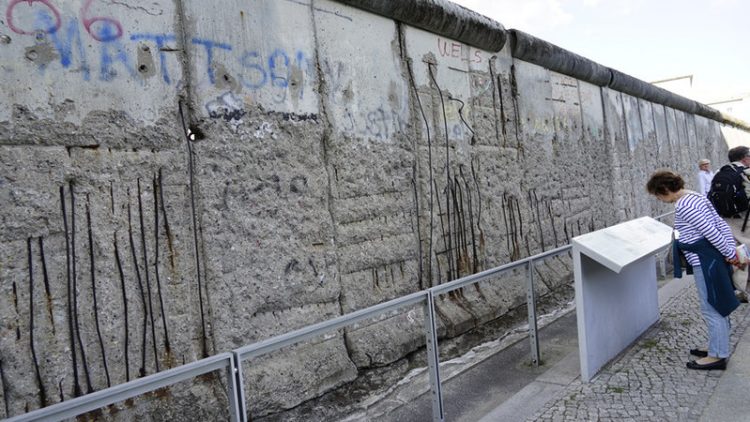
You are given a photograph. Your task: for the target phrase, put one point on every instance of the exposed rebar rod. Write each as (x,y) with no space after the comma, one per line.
(40,383)
(419,237)
(474,252)
(45,278)
(18,313)
(5,389)
(516,111)
(148,280)
(493,79)
(142,370)
(204,344)
(157,193)
(93,291)
(121,273)
(429,166)
(74,274)
(449,246)
(538,218)
(76,383)
(446,242)
(167,228)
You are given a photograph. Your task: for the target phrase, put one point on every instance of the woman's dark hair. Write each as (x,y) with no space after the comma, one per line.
(663,182)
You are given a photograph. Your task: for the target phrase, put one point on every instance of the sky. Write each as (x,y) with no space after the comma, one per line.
(649,39)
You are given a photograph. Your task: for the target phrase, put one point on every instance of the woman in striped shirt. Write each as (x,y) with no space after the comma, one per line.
(709,248)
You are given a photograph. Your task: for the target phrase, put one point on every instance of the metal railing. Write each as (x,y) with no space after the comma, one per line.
(232,361)
(425,297)
(106,397)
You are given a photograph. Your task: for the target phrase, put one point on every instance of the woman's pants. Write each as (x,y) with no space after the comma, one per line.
(718,326)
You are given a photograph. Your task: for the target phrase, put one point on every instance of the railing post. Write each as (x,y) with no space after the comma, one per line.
(661,260)
(433,359)
(531,305)
(235,390)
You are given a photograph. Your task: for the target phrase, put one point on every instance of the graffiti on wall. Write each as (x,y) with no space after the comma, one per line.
(380,117)
(72,38)
(457,50)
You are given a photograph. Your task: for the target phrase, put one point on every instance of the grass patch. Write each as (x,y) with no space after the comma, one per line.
(650,343)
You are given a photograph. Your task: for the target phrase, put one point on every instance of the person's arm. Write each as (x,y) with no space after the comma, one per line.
(746,181)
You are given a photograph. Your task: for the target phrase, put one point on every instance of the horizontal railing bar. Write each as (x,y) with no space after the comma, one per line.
(666,214)
(474,278)
(121,392)
(275,343)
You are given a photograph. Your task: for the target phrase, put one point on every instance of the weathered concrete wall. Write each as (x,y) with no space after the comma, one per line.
(340,159)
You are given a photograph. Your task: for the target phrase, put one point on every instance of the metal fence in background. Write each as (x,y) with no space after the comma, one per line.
(231,362)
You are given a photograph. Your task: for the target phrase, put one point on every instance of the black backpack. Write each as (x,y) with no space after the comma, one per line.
(727,193)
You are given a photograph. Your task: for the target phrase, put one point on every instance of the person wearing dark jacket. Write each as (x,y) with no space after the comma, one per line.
(739,161)
(707,243)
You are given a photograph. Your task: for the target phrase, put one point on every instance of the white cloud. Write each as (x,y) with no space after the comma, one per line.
(723,3)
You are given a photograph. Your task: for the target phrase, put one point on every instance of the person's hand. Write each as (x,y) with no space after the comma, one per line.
(734,260)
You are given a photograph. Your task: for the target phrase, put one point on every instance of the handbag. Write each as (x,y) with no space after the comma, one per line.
(739,273)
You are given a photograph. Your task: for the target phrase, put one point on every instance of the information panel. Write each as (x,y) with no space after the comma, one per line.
(620,245)
(616,292)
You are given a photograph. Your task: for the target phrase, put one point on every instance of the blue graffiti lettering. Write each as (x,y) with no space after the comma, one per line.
(280,70)
(64,47)
(210,45)
(45,23)
(380,122)
(107,72)
(159,40)
(247,62)
(276,80)
(304,65)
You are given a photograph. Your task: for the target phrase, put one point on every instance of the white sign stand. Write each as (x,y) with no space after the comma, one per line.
(616,293)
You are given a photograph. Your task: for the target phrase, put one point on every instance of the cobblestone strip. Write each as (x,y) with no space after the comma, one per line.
(650,382)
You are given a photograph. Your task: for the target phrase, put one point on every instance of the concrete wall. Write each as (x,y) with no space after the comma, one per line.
(340,159)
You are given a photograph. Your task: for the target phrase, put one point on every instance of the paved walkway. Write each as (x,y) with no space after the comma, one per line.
(649,381)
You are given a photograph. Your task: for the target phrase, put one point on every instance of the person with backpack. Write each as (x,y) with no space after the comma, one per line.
(729,186)
(730,190)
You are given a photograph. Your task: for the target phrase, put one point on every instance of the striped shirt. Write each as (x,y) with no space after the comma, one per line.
(695,218)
